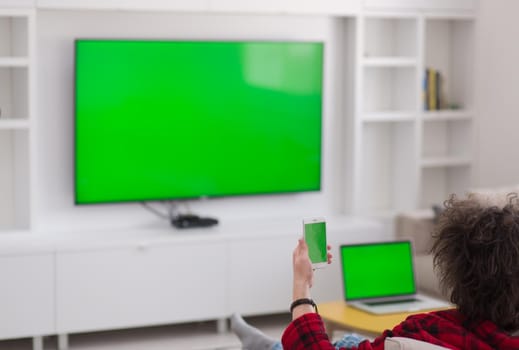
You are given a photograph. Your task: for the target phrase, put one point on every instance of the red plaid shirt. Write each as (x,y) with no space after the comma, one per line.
(444,328)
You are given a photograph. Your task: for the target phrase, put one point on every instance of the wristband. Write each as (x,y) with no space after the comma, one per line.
(302,302)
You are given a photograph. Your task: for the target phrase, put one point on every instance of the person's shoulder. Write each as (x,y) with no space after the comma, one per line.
(451,316)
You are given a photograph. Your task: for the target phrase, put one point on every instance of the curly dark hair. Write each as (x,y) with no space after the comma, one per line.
(476,254)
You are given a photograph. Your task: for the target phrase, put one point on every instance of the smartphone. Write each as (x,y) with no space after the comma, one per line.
(315,237)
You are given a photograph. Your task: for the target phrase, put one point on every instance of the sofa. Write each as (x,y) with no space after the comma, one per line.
(417,226)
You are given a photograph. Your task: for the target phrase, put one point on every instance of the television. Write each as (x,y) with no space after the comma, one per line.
(166,120)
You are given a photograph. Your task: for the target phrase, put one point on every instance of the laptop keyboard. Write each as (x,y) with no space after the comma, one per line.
(391,302)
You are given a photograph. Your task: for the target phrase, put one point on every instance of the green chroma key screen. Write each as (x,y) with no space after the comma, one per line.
(315,236)
(187,119)
(377,270)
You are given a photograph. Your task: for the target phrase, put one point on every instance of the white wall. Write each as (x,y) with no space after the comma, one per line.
(497,93)
(56,31)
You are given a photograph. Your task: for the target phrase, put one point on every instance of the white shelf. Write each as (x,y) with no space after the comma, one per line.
(436,5)
(14,124)
(393,116)
(16,48)
(331,7)
(438,162)
(14,62)
(446,115)
(176,5)
(406,156)
(390,62)
(16,8)
(397,150)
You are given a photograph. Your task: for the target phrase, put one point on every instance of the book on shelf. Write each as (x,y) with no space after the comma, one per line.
(432,90)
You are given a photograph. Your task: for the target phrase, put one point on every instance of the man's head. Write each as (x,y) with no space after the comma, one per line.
(476,253)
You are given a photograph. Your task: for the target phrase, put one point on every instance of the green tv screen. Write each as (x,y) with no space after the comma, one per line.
(157,120)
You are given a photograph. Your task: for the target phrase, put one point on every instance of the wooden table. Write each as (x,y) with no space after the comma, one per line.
(337,315)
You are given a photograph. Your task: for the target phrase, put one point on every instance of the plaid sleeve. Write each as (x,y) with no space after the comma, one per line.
(306,333)
(445,328)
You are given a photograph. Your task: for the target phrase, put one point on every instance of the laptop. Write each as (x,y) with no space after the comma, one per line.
(379,278)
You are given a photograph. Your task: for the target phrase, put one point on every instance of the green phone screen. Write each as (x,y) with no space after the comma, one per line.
(315,237)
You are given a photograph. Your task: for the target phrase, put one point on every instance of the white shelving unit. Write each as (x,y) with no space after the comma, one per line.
(447,135)
(16,130)
(404,156)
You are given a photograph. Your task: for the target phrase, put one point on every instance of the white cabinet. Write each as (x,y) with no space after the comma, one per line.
(26,295)
(16,130)
(173,277)
(142,285)
(407,155)
(260,275)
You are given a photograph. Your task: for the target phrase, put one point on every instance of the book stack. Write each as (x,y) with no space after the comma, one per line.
(432,90)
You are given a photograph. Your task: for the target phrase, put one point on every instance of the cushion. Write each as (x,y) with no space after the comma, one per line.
(426,279)
(417,226)
(400,343)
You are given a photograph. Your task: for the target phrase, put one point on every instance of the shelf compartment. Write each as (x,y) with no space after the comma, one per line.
(450,140)
(449,50)
(13,36)
(14,179)
(388,167)
(14,124)
(390,37)
(14,62)
(437,184)
(389,89)
(14,93)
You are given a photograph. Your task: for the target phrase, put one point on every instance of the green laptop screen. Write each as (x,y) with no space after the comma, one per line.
(377,270)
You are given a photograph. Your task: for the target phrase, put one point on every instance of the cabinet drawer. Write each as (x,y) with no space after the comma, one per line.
(26,296)
(260,275)
(131,287)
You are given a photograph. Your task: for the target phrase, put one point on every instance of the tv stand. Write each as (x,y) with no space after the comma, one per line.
(96,280)
(191,221)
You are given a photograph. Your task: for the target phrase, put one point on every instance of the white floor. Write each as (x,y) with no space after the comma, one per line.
(192,336)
